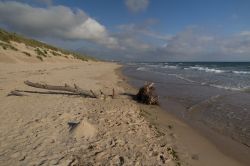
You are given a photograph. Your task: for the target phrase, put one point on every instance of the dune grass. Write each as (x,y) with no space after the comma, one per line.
(7,37)
(26,53)
(8,46)
(39,57)
(40,52)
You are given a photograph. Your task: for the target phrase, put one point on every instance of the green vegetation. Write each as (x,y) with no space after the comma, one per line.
(55,53)
(7,37)
(8,46)
(39,57)
(40,53)
(26,53)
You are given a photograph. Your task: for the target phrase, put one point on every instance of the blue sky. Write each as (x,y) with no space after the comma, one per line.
(155,30)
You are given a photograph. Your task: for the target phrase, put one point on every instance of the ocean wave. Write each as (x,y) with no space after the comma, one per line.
(170,67)
(206,69)
(182,78)
(141,69)
(154,66)
(246,89)
(241,72)
(227,87)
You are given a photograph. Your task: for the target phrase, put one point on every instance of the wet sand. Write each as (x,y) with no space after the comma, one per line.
(212,149)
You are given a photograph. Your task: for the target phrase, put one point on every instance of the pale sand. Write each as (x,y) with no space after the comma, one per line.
(34,128)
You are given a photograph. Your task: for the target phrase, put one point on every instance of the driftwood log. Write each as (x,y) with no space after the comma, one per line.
(75,90)
(66,90)
(147,95)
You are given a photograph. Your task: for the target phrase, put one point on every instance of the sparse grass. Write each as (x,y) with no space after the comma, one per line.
(45,52)
(7,37)
(39,57)
(55,53)
(26,53)
(8,46)
(40,53)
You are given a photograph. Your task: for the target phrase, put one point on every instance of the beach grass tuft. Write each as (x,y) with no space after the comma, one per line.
(6,46)
(26,53)
(40,52)
(39,57)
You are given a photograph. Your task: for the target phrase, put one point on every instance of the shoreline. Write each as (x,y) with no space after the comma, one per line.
(207,148)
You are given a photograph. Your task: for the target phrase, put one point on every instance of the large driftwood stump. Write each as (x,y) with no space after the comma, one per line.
(147,95)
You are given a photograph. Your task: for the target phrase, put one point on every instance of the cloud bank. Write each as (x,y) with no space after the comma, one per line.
(54,21)
(193,43)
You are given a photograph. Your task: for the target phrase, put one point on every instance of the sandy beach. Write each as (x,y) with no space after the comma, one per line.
(34,128)
(124,83)
(119,131)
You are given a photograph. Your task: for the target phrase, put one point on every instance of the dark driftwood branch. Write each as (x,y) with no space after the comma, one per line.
(76,90)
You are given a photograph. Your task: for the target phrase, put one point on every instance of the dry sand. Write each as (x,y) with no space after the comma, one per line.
(34,128)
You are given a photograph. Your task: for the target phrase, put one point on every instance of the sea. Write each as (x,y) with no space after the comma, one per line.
(215,95)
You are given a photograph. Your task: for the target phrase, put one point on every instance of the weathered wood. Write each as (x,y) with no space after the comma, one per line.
(92,92)
(113,93)
(68,88)
(46,92)
(147,95)
(103,96)
(16,93)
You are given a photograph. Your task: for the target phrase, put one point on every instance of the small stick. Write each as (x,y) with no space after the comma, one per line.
(93,93)
(113,93)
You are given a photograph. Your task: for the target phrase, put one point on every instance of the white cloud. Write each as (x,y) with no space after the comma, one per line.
(137,5)
(238,44)
(54,21)
(245,33)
